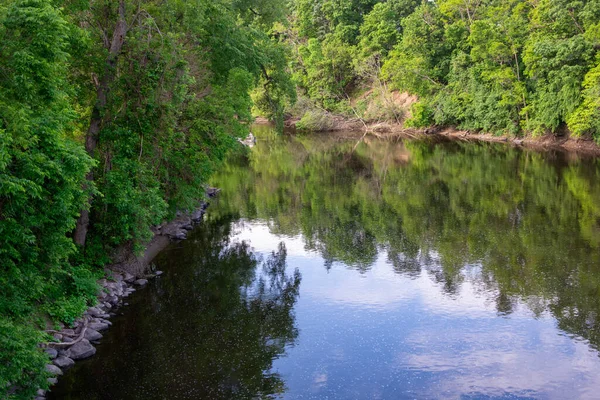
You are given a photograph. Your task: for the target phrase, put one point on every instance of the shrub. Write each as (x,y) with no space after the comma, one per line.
(21,360)
(422,116)
(316,120)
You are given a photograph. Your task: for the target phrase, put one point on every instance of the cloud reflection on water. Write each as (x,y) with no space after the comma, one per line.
(451,345)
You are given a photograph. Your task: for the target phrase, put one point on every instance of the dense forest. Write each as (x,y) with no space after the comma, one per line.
(113,114)
(507,67)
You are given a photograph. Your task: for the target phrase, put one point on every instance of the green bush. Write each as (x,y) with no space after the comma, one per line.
(21,361)
(422,116)
(316,120)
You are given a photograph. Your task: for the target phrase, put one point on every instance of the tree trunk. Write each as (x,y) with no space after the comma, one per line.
(91,139)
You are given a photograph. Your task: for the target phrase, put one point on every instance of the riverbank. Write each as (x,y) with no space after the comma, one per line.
(386,130)
(127,273)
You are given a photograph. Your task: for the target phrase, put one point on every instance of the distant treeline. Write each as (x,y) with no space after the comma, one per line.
(501,66)
(113,113)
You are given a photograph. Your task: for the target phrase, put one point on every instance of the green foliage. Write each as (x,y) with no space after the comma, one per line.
(21,361)
(327,72)
(506,67)
(586,118)
(170,105)
(422,116)
(42,171)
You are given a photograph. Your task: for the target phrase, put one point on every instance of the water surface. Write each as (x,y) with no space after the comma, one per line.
(336,269)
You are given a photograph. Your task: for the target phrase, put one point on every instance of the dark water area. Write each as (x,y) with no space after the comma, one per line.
(330,268)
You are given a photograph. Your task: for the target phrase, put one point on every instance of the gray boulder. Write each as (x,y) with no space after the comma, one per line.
(197,216)
(91,334)
(141,282)
(53,369)
(98,326)
(52,353)
(81,350)
(114,300)
(63,362)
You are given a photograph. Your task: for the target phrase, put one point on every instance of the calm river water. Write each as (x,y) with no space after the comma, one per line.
(331,269)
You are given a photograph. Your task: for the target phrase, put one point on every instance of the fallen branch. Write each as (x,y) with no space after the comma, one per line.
(69,344)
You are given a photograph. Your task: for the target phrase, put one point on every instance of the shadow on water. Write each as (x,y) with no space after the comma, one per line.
(209,329)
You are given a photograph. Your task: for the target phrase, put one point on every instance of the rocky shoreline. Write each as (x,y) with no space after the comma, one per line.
(127,274)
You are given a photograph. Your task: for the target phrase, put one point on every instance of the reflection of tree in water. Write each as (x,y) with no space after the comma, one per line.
(256,325)
(529,221)
(208,329)
(243,307)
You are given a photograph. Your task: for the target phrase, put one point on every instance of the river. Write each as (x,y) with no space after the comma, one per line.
(333,268)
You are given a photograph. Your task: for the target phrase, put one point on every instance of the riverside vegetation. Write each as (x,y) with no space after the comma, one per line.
(113,114)
(517,67)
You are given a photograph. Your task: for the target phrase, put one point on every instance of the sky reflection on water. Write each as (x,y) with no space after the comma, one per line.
(384,335)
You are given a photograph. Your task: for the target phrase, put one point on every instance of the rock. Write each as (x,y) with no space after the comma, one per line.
(52,381)
(94,312)
(63,362)
(197,215)
(158,273)
(107,322)
(141,282)
(128,277)
(40,398)
(117,277)
(67,339)
(61,353)
(53,369)
(81,350)
(212,192)
(52,353)
(57,336)
(178,234)
(41,392)
(187,227)
(98,326)
(91,334)
(114,300)
(68,332)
